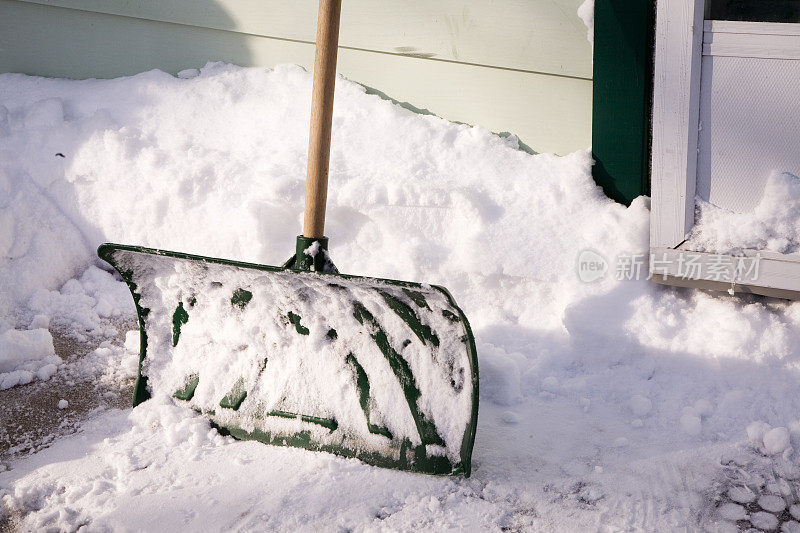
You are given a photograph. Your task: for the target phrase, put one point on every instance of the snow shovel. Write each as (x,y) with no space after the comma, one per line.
(299,355)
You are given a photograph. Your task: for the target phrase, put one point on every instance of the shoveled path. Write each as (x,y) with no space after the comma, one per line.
(30,419)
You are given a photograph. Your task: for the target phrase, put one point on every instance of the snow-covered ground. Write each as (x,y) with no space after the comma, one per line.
(607,404)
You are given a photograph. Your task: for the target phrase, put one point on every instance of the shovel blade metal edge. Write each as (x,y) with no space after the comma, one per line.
(441,437)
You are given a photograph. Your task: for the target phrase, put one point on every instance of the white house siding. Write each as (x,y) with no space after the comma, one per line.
(518,66)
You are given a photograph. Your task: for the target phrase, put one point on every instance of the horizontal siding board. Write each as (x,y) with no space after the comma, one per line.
(548,113)
(543,36)
(55,42)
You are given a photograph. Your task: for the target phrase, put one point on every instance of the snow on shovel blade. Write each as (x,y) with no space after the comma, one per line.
(381,370)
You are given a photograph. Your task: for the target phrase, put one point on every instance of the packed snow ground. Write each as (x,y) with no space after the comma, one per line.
(605,405)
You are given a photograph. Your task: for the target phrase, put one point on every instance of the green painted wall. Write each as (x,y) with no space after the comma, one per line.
(520,66)
(623,88)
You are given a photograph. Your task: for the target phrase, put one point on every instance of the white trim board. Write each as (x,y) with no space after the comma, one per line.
(760,41)
(758,28)
(778,274)
(679,46)
(676,108)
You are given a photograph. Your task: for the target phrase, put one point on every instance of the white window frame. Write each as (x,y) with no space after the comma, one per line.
(676,114)
(679,49)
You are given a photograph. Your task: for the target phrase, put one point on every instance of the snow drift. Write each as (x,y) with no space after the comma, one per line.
(593,385)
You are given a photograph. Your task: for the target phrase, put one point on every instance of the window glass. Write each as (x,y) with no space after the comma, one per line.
(755,10)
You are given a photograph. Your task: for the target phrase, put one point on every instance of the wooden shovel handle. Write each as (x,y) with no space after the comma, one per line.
(319,140)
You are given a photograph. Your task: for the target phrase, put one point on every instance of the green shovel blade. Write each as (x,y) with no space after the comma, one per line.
(381,370)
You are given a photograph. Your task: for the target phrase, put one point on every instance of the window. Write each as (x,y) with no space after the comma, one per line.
(755,10)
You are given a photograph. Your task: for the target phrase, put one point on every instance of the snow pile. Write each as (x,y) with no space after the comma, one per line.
(80,310)
(111,364)
(129,160)
(773,225)
(586,14)
(82,307)
(39,247)
(25,355)
(587,388)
